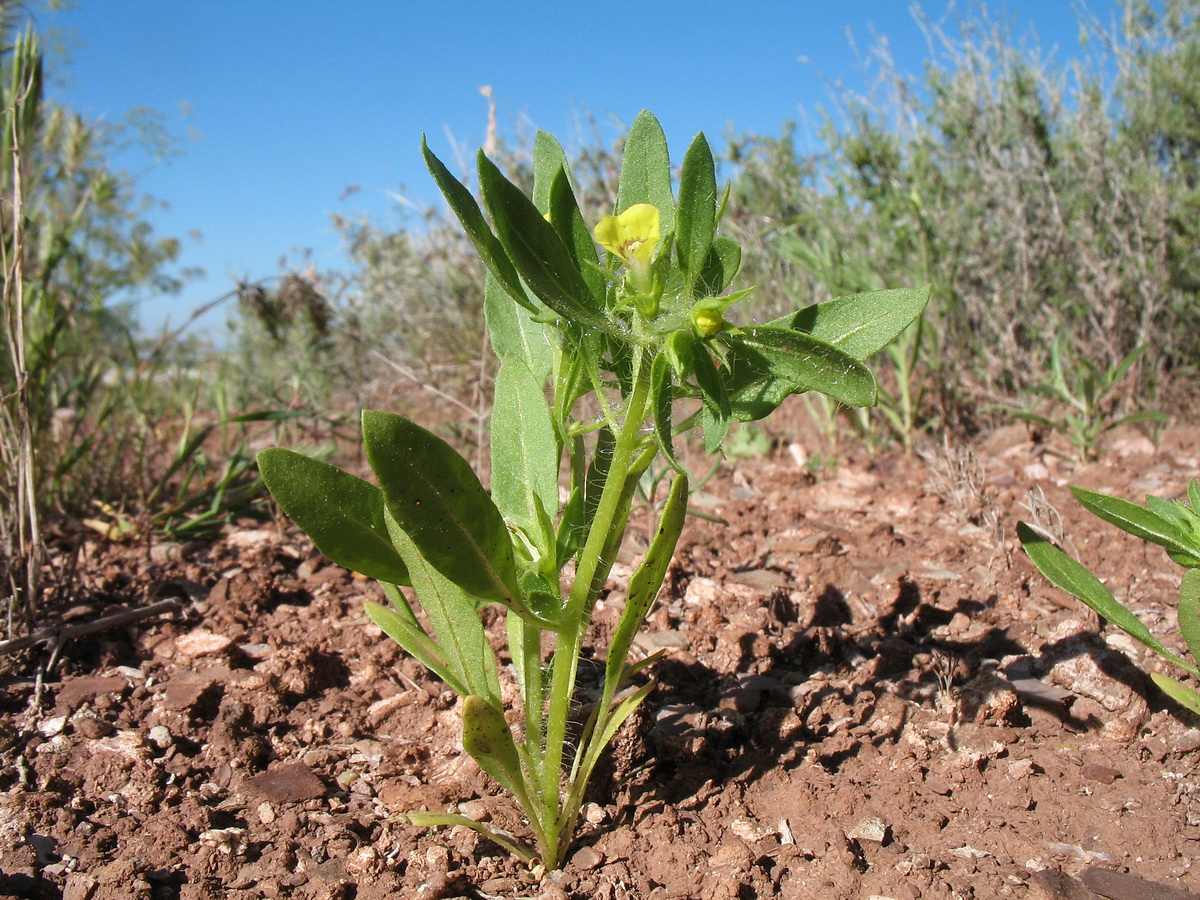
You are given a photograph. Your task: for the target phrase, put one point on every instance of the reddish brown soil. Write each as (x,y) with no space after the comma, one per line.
(867,693)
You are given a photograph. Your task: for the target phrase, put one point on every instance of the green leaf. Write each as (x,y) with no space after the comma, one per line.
(537,251)
(486,244)
(416,643)
(568,221)
(1177,691)
(489,741)
(454,622)
(804,363)
(1189,611)
(1064,572)
(646,582)
(621,711)
(696,217)
(571,527)
(525,451)
(646,170)
(662,393)
(597,473)
(498,836)
(862,324)
(716,414)
(1138,521)
(549,159)
(720,266)
(437,500)
(514,333)
(340,512)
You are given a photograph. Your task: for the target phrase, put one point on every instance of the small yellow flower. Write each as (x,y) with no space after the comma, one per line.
(633,236)
(708,320)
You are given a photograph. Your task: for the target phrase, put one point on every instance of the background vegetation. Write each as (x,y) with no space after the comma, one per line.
(1053,204)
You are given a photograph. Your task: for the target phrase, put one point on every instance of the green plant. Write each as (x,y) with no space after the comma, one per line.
(1171,524)
(71,237)
(604,364)
(1083,392)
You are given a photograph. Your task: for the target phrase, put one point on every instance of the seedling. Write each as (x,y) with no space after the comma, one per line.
(1172,524)
(606,360)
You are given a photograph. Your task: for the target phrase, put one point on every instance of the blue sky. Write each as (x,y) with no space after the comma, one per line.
(282,106)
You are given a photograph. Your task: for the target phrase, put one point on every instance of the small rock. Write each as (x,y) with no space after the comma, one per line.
(288,783)
(77,689)
(654,641)
(1123,886)
(872,828)
(586,859)
(594,814)
(475,809)
(1020,768)
(1127,445)
(92,728)
(160,737)
(1035,471)
(702,591)
(53,726)
(939,786)
(749,831)
(202,643)
(230,841)
(1187,742)
(1101,774)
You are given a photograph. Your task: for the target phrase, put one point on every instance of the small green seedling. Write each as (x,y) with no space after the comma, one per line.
(606,360)
(1082,392)
(1172,524)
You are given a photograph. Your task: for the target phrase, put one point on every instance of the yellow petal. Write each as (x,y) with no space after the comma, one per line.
(633,234)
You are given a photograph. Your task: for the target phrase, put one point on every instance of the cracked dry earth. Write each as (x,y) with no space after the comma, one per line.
(867,692)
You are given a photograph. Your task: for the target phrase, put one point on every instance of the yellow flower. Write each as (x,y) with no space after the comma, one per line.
(633,235)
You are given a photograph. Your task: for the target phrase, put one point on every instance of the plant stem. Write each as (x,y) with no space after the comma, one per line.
(575,616)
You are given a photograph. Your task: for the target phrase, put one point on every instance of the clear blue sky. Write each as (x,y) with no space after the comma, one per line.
(284,105)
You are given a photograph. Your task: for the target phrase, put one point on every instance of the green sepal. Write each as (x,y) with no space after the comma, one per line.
(486,244)
(695,217)
(537,251)
(341,513)
(646,171)
(439,503)
(1064,572)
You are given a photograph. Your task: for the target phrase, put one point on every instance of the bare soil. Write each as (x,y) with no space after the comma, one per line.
(867,692)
